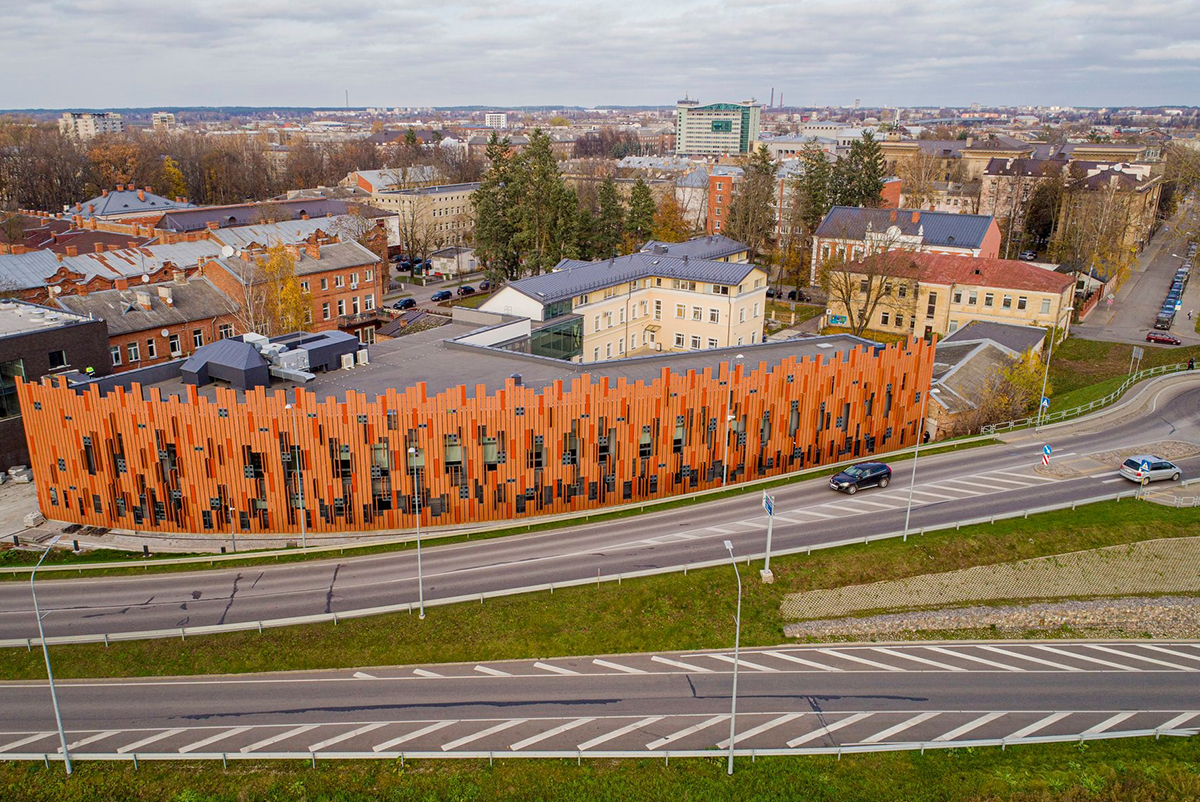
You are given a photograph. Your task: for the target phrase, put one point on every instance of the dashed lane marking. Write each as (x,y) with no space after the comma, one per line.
(879,504)
(1083,657)
(793,659)
(1110,481)
(972,658)
(617,666)
(938,495)
(993,478)
(680,664)
(345,736)
(136,745)
(90,739)
(739,661)
(971,725)
(555,669)
(915,658)
(1038,725)
(828,728)
(466,739)
(719,530)
(1133,656)
(212,739)
(686,731)
(386,745)
(1182,718)
(1109,723)
(420,672)
(617,733)
(760,729)
(283,736)
(858,659)
(26,740)
(901,727)
(1030,658)
(492,672)
(541,736)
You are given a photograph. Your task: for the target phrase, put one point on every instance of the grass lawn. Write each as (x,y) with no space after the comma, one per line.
(670,612)
(1083,370)
(472,301)
(782,310)
(1130,770)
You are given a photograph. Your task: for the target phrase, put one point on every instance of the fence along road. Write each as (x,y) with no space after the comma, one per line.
(982,484)
(805,698)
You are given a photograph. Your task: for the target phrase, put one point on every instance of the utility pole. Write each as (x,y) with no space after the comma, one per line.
(62,735)
(737,638)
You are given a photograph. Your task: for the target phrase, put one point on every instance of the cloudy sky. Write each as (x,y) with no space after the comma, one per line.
(116,53)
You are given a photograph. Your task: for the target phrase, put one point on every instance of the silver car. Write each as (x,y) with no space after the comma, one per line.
(1158,468)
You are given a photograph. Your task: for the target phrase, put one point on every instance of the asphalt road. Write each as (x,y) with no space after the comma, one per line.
(950,487)
(1137,303)
(788,696)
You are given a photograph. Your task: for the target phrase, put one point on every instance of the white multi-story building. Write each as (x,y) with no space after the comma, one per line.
(85,125)
(495,119)
(716,129)
(162,121)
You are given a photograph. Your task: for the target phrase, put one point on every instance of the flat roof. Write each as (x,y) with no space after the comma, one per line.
(20,317)
(426,357)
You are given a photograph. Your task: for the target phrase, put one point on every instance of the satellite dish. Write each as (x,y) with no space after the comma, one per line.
(166,332)
(227,251)
(145,278)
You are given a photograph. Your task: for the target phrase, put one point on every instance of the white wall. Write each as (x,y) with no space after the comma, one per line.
(510,302)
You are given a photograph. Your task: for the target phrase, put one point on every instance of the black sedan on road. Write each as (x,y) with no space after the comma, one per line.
(862,475)
(466,289)
(405,303)
(441,295)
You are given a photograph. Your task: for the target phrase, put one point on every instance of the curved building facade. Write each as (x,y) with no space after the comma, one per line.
(221,461)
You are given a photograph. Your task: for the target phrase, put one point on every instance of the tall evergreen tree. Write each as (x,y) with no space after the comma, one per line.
(640,223)
(495,213)
(752,211)
(858,177)
(543,205)
(610,222)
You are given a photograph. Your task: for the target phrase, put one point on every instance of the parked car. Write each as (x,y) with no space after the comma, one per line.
(797,295)
(1158,468)
(772,292)
(1164,320)
(1028,256)
(405,303)
(485,285)
(862,475)
(466,289)
(441,295)
(1162,337)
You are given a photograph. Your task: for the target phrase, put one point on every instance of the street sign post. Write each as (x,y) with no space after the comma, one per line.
(1045,402)
(1046,451)
(768,502)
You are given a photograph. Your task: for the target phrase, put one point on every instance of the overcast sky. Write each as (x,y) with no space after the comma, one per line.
(115,53)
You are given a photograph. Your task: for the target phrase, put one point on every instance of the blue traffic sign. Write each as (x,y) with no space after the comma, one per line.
(1045,401)
(1047,450)
(1144,467)
(769,504)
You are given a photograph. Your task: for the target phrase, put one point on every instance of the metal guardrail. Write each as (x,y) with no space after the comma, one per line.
(366,540)
(322,618)
(666,755)
(1083,409)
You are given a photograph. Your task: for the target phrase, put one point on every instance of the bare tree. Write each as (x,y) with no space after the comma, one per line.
(884,280)
(919,173)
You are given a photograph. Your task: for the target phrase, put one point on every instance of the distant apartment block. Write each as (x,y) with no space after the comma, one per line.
(716,129)
(85,125)
(495,119)
(162,121)
(430,217)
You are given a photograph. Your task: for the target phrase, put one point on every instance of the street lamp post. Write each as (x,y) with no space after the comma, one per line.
(62,735)
(729,418)
(1046,371)
(737,638)
(232,525)
(300,490)
(916,453)
(412,453)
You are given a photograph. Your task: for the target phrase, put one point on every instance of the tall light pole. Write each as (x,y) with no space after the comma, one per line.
(729,417)
(412,453)
(916,453)
(737,638)
(62,735)
(300,488)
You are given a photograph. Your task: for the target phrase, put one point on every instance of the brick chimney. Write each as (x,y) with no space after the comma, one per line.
(104,193)
(72,250)
(98,247)
(313,250)
(916,217)
(303,215)
(179,277)
(141,194)
(91,208)
(131,244)
(121,283)
(893,215)
(57,256)
(112,248)
(167,295)
(212,225)
(143,299)
(292,251)
(120,187)
(19,249)
(4,248)
(149,189)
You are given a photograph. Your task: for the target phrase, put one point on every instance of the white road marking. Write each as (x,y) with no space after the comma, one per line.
(792,658)
(788,520)
(27,740)
(938,495)
(386,745)
(729,659)
(555,669)
(1168,651)
(466,739)
(617,733)
(753,524)
(1110,481)
(1059,666)
(541,736)
(492,672)
(1083,657)
(761,728)
(1034,476)
(992,477)
(1133,656)
(857,659)
(345,736)
(283,736)
(192,747)
(364,675)
(810,512)
(678,664)
(907,656)
(420,672)
(1038,725)
(91,738)
(973,658)
(1109,723)
(1180,719)
(941,484)
(686,731)
(133,747)
(837,725)
(617,666)
(1109,473)
(719,530)
(883,735)
(879,504)
(971,725)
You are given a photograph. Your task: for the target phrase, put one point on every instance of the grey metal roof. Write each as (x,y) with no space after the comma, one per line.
(1016,338)
(243,214)
(126,202)
(713,246)
(285,232)
(335,256)
(571,278)
(948,229)
(232,353)
(197,299)
(696,179)
(34,269)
